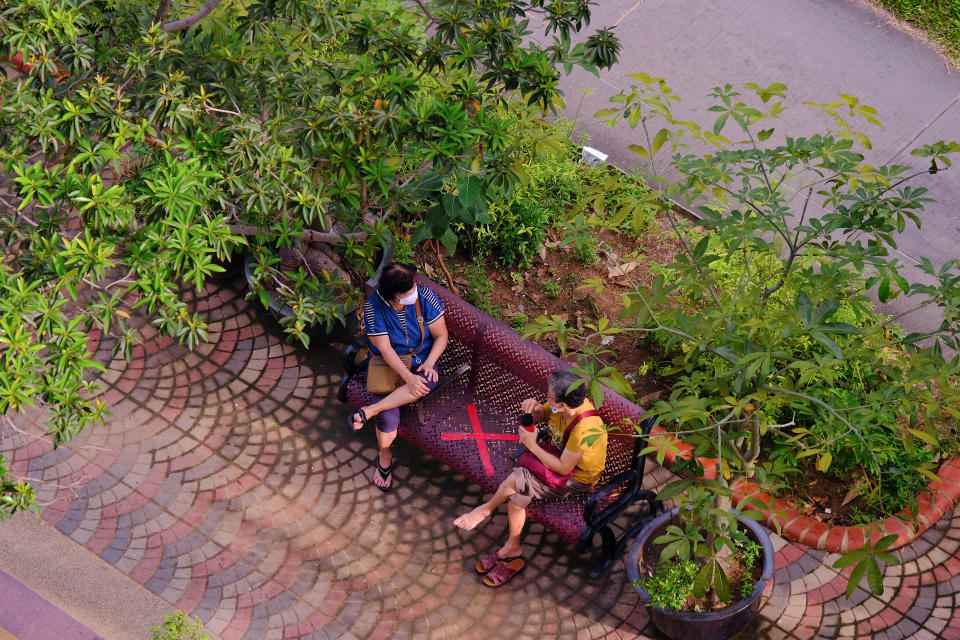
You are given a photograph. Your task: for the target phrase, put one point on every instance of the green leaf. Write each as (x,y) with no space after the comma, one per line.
(719,123)
(885,541)
(925,437)
(883,291)
(874,576)
(805,308)
(449,240)
(855,577)
(606,113)
(828,343)
(639,150)
(763,135)
(703,580)
(720,583)
(658,141)
(823,463)
(851,558)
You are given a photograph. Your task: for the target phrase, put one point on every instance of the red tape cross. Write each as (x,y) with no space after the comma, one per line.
(480,437)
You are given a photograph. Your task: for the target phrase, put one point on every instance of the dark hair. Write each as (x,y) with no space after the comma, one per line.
(396,278)
(559,384)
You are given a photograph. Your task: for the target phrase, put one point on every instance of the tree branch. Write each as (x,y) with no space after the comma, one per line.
(162,11)
(179,25)
(308,234)
(425,10)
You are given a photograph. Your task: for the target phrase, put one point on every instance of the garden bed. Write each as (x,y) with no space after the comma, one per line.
(824,514)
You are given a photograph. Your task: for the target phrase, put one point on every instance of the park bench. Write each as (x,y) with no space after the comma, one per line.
(470,422)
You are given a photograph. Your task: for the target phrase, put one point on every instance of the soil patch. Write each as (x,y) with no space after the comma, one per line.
(553,285)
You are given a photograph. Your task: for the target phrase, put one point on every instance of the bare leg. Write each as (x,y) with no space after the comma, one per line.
(384,440)
(472,518)
(516,517)
(401,396)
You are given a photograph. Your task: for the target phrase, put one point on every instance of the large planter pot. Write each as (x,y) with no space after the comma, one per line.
(713,625)
(341,331)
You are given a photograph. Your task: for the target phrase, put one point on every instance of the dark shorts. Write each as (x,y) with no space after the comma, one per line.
(389,420)
(530,488)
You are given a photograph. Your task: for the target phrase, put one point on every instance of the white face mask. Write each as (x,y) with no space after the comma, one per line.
(410,299)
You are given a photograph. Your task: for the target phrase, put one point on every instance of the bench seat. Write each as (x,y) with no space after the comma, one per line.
(470,423)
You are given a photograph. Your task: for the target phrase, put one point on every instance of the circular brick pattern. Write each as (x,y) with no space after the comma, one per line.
(226,482)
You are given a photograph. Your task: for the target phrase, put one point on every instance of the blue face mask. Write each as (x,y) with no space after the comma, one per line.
(553,409)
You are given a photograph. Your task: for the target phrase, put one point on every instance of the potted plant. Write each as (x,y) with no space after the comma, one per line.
(676,590)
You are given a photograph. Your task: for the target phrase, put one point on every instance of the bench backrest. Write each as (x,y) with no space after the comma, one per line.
(505,369)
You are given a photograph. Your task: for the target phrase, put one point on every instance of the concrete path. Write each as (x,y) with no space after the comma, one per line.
(226,485)
(819,49)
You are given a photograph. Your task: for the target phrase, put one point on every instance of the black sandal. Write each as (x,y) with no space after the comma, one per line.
(363,420)
(384,474)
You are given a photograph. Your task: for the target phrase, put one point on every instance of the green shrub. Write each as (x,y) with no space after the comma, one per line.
(518,321)
(670,584)
(903,470)
(583,236)
(551,288)
(176,626)
(479,288)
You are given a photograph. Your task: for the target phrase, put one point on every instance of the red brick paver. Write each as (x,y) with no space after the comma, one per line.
(226,483)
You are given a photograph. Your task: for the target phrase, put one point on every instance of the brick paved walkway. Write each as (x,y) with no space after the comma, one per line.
(226,483)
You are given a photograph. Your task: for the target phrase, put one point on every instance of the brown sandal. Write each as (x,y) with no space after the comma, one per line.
(503,572)
(489,560)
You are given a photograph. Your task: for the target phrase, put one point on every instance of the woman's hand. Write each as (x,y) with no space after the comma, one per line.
(528,438)
(429,372)
(531,406)
(417,385)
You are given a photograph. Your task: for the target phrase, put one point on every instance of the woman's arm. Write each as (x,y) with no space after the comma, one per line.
(562,465)
(438,331)
(382,343)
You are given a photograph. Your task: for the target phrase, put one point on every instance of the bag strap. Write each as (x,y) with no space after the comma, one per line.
(577,418)
(423,329)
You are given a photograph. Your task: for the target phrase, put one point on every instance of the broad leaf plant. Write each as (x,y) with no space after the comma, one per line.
(142,146)
(767,314)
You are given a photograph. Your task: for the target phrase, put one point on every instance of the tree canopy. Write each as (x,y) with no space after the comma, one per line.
(141,146)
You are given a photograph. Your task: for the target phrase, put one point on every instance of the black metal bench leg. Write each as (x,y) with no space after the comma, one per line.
(607,552)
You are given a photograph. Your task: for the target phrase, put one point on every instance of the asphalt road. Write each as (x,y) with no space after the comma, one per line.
(819,49)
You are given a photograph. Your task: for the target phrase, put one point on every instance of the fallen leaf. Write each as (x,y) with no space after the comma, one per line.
(517,288)
(852,495)
(621,269)
(427,269)
(564,316)
(541,272)
(543,253)
(649,399)
(622,283)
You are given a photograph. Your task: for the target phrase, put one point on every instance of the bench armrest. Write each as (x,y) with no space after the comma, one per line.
(628,480)
(351,365)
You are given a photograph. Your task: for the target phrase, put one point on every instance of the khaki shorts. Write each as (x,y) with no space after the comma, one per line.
(530,487)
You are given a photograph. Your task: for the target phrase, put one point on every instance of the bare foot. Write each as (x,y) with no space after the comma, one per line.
(471,519)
